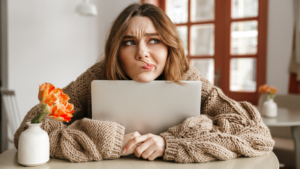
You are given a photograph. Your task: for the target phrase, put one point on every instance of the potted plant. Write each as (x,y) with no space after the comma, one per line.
(269,107)
(33,146)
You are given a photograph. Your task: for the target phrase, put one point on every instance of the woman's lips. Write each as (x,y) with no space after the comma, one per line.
(148,66)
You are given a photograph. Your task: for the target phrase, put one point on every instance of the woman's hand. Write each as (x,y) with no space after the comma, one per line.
(127,138)
(148,146)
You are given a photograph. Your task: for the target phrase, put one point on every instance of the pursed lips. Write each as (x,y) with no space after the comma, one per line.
(148,66)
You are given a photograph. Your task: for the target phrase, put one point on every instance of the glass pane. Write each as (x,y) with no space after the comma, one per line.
(202,10)
(243,74)
(206,67)
(244,37)
(244,8)
(177,10)
(202,39)
(182,30)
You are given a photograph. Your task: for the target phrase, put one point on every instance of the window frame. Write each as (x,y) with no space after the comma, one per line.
(222,36)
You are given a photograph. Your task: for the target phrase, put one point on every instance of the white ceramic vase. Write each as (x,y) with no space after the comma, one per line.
(269,108)
(34,147)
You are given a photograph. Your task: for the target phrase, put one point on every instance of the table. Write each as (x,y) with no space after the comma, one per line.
(287,118)
(8,160)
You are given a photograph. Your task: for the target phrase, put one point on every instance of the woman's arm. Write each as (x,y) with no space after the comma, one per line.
(225,129)
(205,138)
(84,139)
(79,91)
(202,139)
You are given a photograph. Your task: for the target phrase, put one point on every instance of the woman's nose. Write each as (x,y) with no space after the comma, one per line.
(142,52)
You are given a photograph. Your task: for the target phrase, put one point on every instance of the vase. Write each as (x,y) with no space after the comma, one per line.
(269,108)
(33,147)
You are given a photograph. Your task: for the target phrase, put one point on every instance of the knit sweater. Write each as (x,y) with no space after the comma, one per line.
(225,129)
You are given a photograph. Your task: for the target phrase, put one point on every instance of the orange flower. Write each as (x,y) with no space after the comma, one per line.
(273,90)
(61,112)
(270,91)
(57,106)
(263,89)
(44,91)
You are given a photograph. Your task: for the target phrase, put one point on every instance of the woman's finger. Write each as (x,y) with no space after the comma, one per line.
(134,142)
(145,152)
(153,156)
(141,148)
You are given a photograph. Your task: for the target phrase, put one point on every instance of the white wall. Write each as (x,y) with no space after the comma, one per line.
(280,32)
(48,42)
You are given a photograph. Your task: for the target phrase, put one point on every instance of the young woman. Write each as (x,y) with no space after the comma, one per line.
(143,45)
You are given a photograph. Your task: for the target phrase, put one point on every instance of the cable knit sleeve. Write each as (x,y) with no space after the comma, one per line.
(83,139)
(79,91)
(225,129)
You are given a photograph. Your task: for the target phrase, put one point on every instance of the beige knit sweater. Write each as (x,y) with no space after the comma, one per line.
(225,129)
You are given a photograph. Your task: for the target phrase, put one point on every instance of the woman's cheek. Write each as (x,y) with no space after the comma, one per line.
(161,53)
(126,59)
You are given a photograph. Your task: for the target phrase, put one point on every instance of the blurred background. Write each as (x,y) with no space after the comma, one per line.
(238,45)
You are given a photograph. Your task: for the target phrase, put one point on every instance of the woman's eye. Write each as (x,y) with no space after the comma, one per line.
(154,41)
(129,42)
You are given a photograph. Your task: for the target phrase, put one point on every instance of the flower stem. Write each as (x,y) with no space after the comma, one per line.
(38,117)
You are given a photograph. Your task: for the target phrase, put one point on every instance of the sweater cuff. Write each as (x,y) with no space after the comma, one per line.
(172,146)
(117,143)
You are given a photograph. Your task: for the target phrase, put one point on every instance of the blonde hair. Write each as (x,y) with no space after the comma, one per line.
(177,63)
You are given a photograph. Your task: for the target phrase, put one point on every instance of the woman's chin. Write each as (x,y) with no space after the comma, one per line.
(143,78)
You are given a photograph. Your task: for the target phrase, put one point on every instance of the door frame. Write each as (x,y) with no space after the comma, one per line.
(3,70)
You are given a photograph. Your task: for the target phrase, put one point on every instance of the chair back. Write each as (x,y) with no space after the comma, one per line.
(11,111)
(290,101)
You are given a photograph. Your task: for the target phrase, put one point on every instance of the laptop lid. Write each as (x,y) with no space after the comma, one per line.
(145,107)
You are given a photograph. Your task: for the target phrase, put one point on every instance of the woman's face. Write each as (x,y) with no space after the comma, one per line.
(142,53)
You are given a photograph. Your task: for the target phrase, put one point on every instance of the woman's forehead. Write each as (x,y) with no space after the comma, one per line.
(141,26)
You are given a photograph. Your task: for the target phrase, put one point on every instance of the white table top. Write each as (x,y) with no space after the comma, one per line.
(285,117)
(8,160)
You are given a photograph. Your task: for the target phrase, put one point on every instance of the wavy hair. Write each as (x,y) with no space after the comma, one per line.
(177,63)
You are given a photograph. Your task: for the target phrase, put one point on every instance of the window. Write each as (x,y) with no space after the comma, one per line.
(225,40)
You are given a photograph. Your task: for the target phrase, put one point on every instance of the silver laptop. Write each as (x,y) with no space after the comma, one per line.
(145,107)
